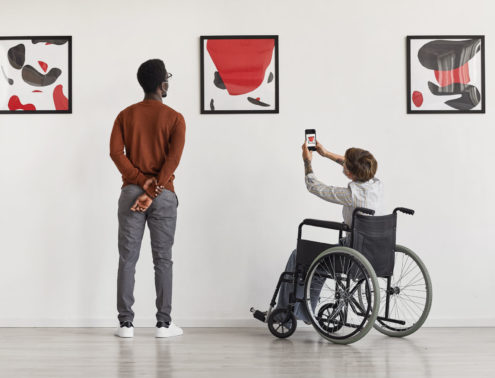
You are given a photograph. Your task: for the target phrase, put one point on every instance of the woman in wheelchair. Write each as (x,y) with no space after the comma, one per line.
(364,190)
(333,286)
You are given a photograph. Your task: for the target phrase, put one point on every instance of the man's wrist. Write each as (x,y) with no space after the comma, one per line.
(141,180)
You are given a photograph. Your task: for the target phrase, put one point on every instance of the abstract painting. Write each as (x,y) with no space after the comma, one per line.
(36,74)
(446,74)
(239,74)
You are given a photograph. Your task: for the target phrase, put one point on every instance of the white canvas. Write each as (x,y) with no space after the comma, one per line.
(420,76)
(223,101)
(42,97)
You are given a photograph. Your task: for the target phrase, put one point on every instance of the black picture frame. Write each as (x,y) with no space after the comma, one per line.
(203,101)
(409,94)
(69,74)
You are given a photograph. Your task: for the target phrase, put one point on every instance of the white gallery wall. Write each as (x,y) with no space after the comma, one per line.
(240,183)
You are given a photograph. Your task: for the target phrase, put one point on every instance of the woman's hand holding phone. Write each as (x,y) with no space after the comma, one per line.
(307,155)
(321,150)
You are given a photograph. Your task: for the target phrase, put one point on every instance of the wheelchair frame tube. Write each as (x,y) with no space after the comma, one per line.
(280,280)
(387,302)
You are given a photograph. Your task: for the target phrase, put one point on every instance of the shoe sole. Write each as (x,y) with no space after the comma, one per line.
(167,336)
(124,336)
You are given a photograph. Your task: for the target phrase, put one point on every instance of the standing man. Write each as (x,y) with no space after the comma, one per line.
(146,146)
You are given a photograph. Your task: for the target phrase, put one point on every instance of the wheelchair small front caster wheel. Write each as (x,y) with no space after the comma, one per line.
(282,323)
(329,320)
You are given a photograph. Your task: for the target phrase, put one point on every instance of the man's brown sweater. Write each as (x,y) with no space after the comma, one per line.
(147,141)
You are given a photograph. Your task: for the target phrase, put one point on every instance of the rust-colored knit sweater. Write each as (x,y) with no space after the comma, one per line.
(153,136)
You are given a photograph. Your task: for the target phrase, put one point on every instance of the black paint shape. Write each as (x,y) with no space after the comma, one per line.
(9,80)
(218,81)
(212,105)
(31,76)
(51,41)
(17,56)
(270,77)
(256,102)
(470,95)
(444,55)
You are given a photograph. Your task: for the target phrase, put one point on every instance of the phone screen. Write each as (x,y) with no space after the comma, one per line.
(311,139)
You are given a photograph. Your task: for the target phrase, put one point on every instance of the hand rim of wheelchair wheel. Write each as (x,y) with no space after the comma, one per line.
(359,266)
(288,322)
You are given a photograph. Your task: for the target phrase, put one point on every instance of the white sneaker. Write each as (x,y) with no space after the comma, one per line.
(162,330)
(126,329)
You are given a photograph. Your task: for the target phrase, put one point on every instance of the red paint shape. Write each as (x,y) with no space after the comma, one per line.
(459,75)
(43,65)
(47,43)
(241,63)
(311,139)
(258,98)
(61,102)
(15,104)
(417,98)
(37,91)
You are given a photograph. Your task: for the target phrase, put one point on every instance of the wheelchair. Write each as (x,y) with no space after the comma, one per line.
(374,283)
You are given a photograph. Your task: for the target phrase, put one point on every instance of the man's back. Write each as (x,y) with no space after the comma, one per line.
(153,136)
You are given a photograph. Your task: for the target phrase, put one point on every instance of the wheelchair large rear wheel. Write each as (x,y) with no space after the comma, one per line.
(410,295)
(331,295)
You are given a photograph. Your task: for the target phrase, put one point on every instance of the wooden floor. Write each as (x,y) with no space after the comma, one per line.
(244,352)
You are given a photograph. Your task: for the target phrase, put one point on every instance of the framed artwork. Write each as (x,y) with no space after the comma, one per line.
(446,74)
(36,74)
(239,74)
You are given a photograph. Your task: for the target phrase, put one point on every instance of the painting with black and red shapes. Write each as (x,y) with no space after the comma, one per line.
(35,74)
(239,74)
(446,74)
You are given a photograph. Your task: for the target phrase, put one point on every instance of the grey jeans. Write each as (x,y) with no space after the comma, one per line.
(161,217)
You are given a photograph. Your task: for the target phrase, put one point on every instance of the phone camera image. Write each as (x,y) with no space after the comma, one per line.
(311,139)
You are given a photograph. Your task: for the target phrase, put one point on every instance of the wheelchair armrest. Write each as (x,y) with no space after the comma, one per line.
(325,224)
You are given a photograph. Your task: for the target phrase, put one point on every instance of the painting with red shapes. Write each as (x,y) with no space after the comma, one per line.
(239,74)
(36,74)
(446,74)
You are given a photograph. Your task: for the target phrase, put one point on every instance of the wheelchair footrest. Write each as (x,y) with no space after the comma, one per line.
(401,322)
(257,314)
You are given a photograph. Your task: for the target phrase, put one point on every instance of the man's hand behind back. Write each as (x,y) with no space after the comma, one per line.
(144,200)
(142,203)
(153,183)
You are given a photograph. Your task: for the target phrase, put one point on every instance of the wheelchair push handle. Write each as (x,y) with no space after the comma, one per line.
(362,210)
(404,210)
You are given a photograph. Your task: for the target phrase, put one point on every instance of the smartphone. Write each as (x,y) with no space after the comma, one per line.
(310,139)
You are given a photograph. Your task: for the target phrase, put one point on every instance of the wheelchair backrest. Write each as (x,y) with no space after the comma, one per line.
(374,237)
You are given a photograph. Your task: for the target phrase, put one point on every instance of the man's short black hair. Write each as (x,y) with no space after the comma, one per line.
(151,74)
